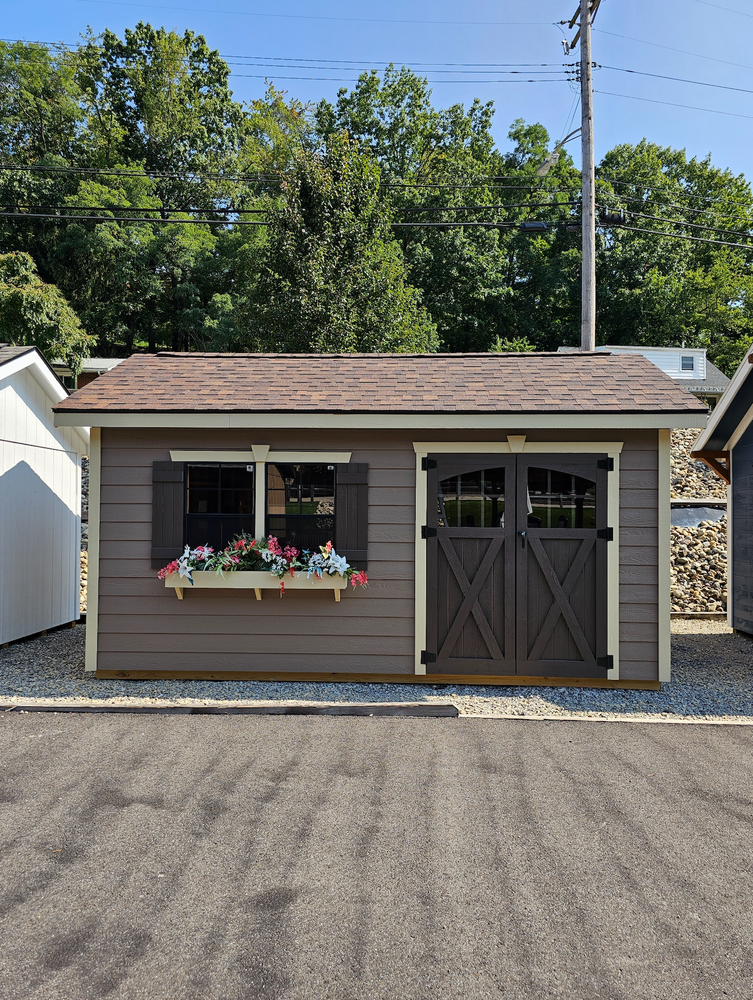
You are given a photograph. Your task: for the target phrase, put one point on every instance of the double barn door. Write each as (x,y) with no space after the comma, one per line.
(517,565)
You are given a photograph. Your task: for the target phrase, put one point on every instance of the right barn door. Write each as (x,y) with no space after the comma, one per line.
(561,565)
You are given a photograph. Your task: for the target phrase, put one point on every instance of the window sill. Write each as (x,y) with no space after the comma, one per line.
(256,581)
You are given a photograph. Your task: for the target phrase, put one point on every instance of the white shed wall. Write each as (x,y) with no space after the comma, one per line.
(40,510)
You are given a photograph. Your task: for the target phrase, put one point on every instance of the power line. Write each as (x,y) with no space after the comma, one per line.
(307,17)
(116,218)
(691,225)
(680,236)
(128,208)
(676,79)
(669,48)
(731,10)
(478,208)
(671,104)
(349,79)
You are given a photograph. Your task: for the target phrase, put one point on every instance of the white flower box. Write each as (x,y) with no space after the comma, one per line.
(257,581)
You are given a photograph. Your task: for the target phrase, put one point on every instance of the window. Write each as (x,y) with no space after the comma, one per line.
(472,500)
(219,503)
(686,363)
(301,504)
(560,500)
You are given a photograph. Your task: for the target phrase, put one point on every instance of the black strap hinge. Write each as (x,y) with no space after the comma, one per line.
(427,532)
(605,661)
(607,533)
(428,657)
(605,463)
(428,463)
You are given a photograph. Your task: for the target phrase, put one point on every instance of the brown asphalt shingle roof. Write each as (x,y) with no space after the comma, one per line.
(386,383)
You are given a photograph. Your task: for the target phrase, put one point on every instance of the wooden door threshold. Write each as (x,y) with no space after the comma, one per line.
(356,678)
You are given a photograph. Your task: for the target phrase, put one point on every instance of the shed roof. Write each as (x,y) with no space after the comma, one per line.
(383,383)
(8,353)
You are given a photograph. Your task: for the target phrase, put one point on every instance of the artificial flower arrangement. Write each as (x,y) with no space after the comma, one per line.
(247,553)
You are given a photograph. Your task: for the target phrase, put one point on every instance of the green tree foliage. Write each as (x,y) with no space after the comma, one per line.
(343,264)
(34,313)
(333,278)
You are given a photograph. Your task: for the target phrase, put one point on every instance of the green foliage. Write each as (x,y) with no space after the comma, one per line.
(34,313)
(338,269)
(333,278)
(516,345)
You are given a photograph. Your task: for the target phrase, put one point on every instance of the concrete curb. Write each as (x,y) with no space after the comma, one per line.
(396,710)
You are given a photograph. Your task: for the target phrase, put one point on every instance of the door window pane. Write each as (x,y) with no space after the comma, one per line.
(560,500)
(219,503)
(301,504)
(472,500)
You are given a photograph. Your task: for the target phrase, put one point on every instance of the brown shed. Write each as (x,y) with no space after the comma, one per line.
(512,513)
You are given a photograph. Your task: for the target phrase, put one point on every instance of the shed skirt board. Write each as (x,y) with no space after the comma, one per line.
(322,677)
(516,596)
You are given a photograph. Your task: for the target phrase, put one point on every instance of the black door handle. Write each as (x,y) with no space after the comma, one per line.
(522,539)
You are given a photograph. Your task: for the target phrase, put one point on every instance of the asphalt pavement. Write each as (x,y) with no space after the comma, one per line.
(298,858)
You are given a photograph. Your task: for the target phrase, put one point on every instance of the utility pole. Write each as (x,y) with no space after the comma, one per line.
(588,180)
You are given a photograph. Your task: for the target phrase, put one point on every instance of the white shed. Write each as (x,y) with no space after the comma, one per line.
(40,499)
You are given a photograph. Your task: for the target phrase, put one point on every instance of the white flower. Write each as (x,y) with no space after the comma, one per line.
(336,564)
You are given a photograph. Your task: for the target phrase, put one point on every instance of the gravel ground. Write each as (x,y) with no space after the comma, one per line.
(691,478)
(712,679)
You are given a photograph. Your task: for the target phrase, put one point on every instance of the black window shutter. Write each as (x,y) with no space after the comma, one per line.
(352,512)
(167,512)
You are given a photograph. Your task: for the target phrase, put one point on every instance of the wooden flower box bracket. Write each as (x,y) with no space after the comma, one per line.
(256,581)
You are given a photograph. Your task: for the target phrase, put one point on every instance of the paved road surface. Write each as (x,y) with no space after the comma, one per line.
(349,859)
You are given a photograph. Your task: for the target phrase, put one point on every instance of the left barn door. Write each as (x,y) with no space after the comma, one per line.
(470,567)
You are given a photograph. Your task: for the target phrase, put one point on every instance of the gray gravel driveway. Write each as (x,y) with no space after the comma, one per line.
(226,858)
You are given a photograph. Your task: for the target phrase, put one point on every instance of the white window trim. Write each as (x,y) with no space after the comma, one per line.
(514,445)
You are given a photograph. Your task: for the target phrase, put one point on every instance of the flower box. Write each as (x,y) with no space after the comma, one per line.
(256,581)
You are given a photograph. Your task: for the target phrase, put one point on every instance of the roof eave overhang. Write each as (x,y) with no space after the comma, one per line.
(538,420)
(731,415)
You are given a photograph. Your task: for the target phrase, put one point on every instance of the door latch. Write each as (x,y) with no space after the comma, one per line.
(522,538)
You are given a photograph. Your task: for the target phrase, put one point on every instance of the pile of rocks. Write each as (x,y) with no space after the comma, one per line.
(84,578)
(689,478)
(699,566)
(698,555)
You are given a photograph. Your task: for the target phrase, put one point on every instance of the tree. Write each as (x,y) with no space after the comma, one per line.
(36,314)
(333,278)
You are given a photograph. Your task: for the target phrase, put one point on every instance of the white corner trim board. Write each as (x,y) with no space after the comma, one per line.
(664,535)
(92,586)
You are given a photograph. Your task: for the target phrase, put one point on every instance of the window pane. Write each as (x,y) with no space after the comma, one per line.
(560,500)
(219,503)
(203,501)
(237,501)
(472,500)
(203,476)
(302,531)
(687,364)
(217,531)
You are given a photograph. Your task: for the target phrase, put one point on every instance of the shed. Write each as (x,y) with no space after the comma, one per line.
(40,498)
(726,445)
(512,513)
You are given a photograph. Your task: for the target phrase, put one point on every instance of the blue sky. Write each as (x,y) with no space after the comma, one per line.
(639,35)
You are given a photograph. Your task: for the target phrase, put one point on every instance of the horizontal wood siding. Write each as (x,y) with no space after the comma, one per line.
(144,627)
(639,557)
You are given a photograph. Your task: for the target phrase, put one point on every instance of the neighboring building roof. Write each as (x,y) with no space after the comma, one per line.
(732,413)
(402,383)
(88,364)
(714,384)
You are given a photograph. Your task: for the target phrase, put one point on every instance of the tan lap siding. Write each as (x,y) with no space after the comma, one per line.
(142,626)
